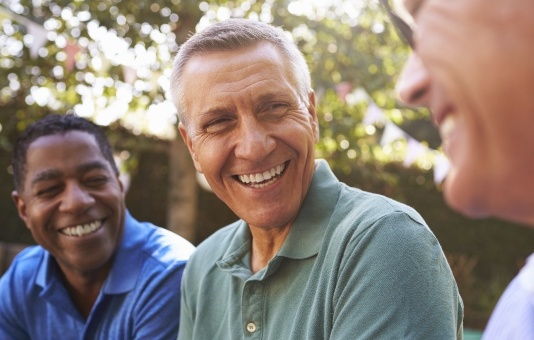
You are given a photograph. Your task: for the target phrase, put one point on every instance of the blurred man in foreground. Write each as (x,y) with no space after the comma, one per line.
(311,258)
(472,66)
(96,272)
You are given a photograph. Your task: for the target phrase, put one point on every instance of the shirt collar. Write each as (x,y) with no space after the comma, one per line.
(307,232)
(128,259)
(306,235)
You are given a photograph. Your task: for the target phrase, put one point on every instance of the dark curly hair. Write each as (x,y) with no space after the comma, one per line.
(55,124)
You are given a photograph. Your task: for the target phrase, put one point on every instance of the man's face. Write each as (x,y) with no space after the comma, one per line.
(472,66)
(250,133)
(72,202)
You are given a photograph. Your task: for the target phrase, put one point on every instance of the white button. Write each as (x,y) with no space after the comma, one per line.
(251,327)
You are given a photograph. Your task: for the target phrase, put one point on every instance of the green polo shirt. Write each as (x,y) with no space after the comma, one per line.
(355,265)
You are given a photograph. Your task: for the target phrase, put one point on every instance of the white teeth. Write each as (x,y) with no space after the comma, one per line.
(81,230)
(261,177)
(267,175)
(447,126)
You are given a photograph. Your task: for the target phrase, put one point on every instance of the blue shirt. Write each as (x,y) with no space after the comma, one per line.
(139,299)
(355,265)
(513,317)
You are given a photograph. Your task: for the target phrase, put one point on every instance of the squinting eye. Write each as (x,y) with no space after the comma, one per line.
(276,109)
(48,191)
(218,125)
(96,181)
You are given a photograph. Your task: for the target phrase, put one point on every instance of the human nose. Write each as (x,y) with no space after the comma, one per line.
(413,86)
(75,199)
(254,141)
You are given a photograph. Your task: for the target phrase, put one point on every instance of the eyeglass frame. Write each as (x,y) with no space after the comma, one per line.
(403,29)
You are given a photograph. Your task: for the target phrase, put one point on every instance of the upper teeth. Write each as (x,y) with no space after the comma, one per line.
(262,176)
(82,229)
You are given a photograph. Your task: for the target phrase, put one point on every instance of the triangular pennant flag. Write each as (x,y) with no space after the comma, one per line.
(343,89)
(130,74)
(413,150)
(71,50)
(391,133)
(39,37)
(373,115)
(356,96)
(441,168)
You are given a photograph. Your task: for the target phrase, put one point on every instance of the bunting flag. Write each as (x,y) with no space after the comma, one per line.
(414,149)
(71,50)
(39,36)
(441,168)
(373,115)
(343,89)
(391,133)
(130,74)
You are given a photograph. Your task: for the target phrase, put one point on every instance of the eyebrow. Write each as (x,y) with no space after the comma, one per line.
(52,174)
(46,175)
(269,96)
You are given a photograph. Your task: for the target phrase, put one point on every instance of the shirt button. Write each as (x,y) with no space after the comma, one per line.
(251,327)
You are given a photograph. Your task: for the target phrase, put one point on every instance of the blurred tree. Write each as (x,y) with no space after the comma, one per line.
(109,60)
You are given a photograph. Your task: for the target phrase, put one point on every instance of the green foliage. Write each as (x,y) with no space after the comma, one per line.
(345,43)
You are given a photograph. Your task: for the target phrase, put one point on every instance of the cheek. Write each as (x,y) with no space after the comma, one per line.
(210,155)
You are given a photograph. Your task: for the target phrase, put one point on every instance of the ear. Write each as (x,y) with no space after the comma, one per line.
(21,206)
(313,113)
(189,143)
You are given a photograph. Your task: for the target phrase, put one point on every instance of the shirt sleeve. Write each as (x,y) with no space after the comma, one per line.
(395,283)
(186,314)
(10,327)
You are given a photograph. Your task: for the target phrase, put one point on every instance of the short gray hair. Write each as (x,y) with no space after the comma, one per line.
(235,34)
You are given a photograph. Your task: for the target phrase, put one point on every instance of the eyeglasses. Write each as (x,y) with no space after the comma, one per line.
(403,29)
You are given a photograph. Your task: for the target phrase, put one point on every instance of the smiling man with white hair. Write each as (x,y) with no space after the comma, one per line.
(311,258)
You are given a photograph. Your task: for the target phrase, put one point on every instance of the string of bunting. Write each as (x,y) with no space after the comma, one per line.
(392,132)
(414,148)
(373,116)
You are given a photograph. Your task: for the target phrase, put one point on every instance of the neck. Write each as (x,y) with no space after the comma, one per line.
(84,288)
(265,244)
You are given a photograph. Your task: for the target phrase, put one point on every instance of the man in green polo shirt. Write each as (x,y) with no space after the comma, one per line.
(311,258)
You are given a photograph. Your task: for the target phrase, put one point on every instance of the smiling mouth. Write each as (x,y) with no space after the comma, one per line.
(82,229)
(262,179)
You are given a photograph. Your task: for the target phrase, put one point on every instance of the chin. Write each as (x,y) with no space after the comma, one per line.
(464,199)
